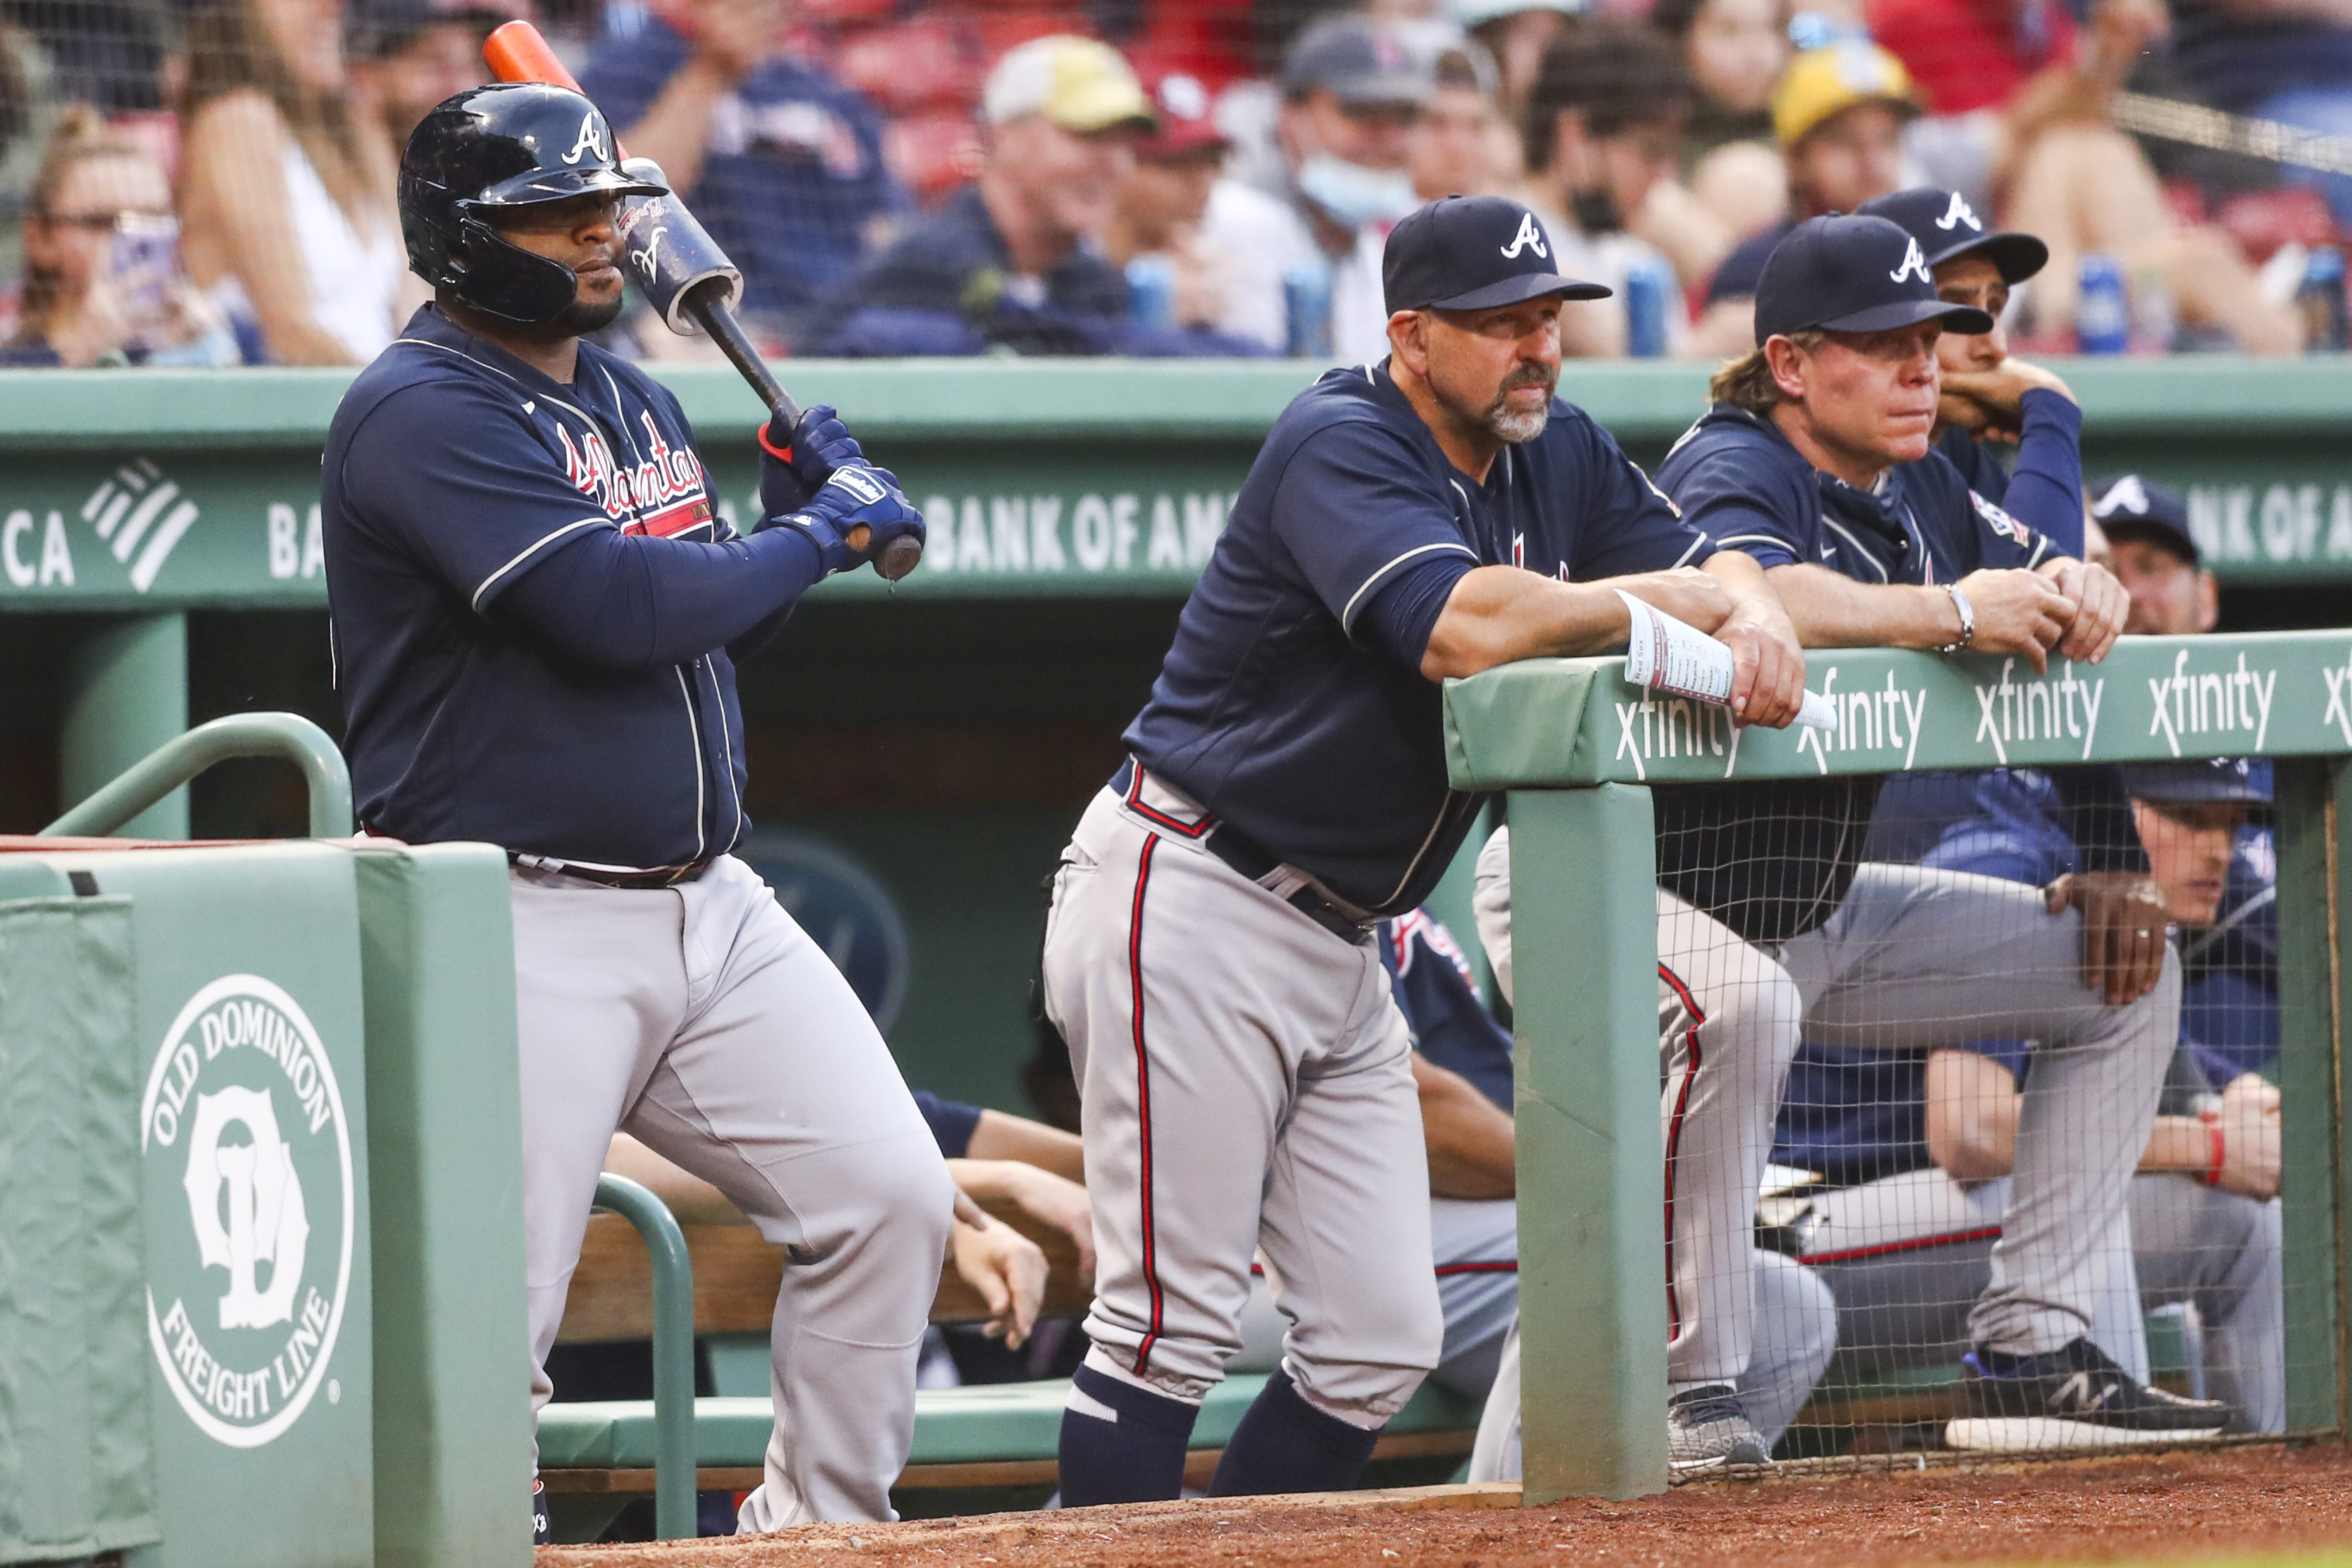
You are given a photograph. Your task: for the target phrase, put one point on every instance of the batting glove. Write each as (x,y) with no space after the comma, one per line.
(855,496)
(796,460)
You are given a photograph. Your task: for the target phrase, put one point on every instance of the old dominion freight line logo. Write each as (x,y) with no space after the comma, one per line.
(249,1229)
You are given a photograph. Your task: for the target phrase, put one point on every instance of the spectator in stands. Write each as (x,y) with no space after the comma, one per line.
(102,281)
(1014,260)
(1732,174)
(1351,93)
(2288,60)
(1460,145)
(1838,114)
(1164,195)
(2150,550)
(286,188)
(406,56)
(1515,33)
(1604,125)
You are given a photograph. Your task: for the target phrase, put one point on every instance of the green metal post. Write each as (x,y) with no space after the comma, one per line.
(121,801)
(1592,1310)
(674,1475)
(126,694)
(2311,795)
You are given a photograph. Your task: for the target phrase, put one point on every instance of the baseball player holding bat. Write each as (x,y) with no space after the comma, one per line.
(1244,1069)
(537,613)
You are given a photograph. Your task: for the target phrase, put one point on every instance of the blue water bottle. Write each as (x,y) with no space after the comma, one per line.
(2102,313)
(1307,309)
(1151,292)
(1649,293)
(2326,328)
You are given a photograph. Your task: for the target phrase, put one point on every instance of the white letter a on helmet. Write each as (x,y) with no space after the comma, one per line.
(1530,237)
(589,140)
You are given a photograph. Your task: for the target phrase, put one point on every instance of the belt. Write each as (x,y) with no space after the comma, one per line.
(639,881)
(1248,860)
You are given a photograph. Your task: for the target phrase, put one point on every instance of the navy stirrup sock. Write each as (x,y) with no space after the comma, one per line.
(1135,1453)
(1286,1445)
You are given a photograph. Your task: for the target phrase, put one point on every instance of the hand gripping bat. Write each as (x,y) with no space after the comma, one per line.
(679,266)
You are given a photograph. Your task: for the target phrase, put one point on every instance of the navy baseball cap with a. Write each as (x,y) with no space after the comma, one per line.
(1473,253)
(1947,228)
(2244,780)
(2130,508)
(1852,275)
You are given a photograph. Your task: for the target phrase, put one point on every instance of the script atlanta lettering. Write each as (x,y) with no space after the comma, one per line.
(671,474)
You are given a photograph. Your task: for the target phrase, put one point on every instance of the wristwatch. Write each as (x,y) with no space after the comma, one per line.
(1967,621)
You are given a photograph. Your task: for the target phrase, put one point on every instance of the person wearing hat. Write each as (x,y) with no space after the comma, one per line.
(1352,90)
(1838,115)
(1815,460)
(1166,192)
(406,56)
(778,158)
(2150,548)
(1919,1150)
(1245,1070)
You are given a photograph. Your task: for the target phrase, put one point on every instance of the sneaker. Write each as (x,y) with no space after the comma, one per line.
(1706,1428)
(540,1535)
(2069,1398)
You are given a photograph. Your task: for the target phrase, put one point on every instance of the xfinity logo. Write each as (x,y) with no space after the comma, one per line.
(2225,701)
(2039,709)
(1869,719)
(1654,728)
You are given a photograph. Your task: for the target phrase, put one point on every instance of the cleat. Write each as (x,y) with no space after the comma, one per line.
(2071,1398)
(540,1535)
(1708,1429)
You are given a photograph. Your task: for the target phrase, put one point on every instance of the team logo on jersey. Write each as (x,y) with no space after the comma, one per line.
(652,497)
(249,1170)
(589,140)
(1419,924)
(2000,522)
(1530,237)
(1959,213)
(1914,264)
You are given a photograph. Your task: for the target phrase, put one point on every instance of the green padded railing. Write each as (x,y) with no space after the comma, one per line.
(282,734)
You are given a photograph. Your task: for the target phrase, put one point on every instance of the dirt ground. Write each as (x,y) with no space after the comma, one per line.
(2266,1498)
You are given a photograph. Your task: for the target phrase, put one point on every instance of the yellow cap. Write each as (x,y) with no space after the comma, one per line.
(1077,83)
(1822,82)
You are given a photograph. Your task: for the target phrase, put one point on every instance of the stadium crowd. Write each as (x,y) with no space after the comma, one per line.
(209,182)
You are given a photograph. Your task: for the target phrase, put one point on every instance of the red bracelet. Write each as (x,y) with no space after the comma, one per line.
(2213,1171)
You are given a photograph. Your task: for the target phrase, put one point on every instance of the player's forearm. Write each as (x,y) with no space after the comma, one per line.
(1833,610)
(629,602)
(2182,1144)
(1471,1143)
(1497,614)
(2046,492)
(674,131)
(1001,1138)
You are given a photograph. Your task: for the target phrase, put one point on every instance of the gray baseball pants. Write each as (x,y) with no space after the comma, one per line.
(1245,1085)
(702,1021)
(1912,958)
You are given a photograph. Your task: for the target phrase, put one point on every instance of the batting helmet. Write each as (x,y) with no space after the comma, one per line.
(508,144)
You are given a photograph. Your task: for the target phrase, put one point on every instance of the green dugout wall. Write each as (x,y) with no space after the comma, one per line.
(945,734)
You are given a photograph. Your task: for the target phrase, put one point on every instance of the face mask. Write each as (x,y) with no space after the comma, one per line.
(1354,195)
(1595,211)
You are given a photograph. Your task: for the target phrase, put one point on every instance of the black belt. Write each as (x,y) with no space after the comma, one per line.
(1248,859)
(639,881)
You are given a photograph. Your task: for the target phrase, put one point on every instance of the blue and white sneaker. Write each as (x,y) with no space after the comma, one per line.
(2072,1398)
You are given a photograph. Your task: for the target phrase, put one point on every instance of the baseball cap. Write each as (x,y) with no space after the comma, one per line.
(378,29)
(1829,80)
(1077,83)
(1472,253)
(2241,778)
(1186,124)
(1852,275)
(1475,13)
(2130,508)
(1362,63)
(1946,226)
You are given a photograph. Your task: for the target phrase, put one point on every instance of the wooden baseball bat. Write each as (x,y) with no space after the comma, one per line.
(516,52)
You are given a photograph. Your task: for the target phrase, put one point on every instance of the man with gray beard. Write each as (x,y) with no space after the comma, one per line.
(1245,1076)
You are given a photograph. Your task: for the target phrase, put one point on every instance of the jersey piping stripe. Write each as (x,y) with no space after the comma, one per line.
(1694,546)
(532,551)
(1856,543)
(1152,814)
(1143,1102)
(1497,1266)
(1675,1137)
(1348,615)
(1778,544)
(473,359)
(1881,1249)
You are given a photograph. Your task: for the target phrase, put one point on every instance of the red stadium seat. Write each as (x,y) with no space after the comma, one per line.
(932,152)
(933,60)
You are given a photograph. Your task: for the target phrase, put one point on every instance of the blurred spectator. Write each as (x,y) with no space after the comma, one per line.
(406,56)
(102,280)
(1351,93)
(1014,260)
(1162,199)
(1460,145)
(1838,114)
(2150,548)
(1736,51)
(1515,33)
(779,161)
(2288,60)
(106,53)
(1604,125)
(286,190)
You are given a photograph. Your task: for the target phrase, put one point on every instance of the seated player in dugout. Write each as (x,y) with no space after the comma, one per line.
(1209,956)
(1815,459)
(1918,1152)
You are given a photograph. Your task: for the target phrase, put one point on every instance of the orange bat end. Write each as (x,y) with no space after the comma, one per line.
(516,52)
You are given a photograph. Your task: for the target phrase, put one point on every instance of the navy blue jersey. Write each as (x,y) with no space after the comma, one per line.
(1739,274)
(531,600)
(1430,977)
(1980,467)
(952,1122)
(1292,704)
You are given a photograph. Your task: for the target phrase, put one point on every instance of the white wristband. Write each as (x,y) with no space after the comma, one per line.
(1967,621)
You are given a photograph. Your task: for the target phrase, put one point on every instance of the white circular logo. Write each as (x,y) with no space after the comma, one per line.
(243,1133)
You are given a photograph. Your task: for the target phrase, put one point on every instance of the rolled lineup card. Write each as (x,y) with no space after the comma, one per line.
(1672,657)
